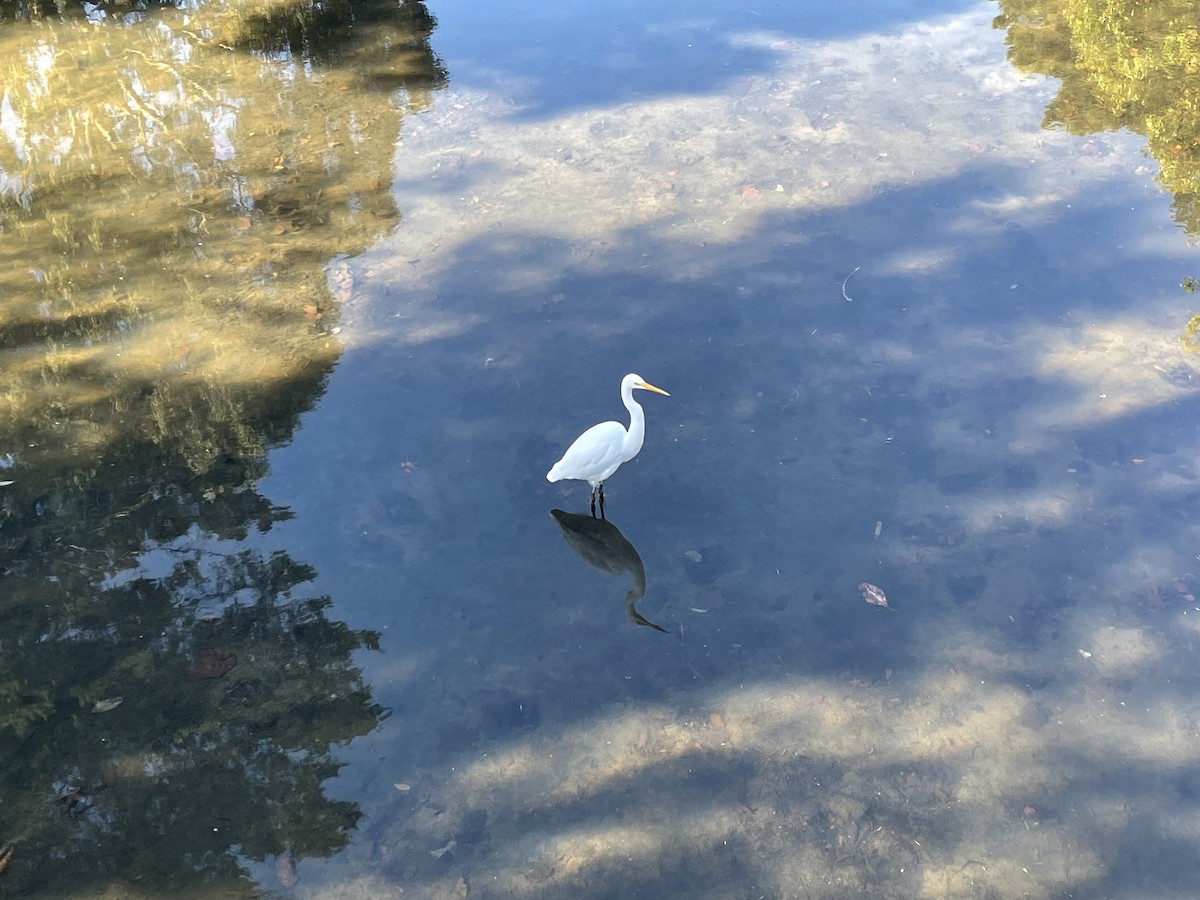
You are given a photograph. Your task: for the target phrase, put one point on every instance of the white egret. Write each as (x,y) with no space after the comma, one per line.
(600,450)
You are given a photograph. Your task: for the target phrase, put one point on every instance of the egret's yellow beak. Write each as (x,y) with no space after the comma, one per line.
(647,386)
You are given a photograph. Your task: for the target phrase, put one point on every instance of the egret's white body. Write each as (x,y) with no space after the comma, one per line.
(600,450)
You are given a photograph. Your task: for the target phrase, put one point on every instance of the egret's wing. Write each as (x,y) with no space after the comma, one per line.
(592,454)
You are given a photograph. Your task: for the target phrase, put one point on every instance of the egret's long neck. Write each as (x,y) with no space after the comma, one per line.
(637,424)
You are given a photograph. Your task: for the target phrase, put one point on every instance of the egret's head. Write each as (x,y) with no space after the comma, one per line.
(632,381)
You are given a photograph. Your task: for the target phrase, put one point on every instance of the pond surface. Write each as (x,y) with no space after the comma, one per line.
(301,304)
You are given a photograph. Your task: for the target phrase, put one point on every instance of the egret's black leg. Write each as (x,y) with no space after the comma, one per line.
(593,503)
(602,499)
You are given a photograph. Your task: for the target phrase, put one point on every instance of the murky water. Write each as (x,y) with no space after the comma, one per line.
(301,303)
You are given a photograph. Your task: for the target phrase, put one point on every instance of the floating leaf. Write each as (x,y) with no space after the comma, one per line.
(103,706)
(873,594)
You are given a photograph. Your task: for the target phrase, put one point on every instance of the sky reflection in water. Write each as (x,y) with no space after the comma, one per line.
(911,338)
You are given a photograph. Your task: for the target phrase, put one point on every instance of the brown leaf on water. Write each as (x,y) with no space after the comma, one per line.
(285,870)
(5,856)
(210,664)
(873,594)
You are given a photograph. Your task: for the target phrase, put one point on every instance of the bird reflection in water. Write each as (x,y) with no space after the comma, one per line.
(600,544)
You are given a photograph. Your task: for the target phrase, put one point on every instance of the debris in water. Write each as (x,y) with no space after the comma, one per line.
(874,594)
(103,706)
(210,664)
(285,870)
(75,799)
(846,296)
(442,851)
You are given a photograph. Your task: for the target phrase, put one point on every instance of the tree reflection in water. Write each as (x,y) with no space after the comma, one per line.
(173,205)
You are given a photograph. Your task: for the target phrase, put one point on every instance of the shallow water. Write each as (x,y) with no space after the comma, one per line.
(292,342)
